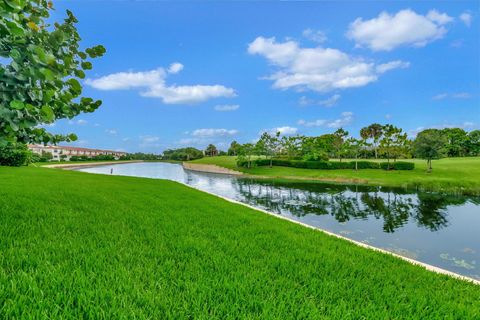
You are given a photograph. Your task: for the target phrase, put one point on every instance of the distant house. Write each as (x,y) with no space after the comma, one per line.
(61,152)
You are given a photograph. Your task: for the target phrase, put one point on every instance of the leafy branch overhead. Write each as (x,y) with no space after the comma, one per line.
(39,82)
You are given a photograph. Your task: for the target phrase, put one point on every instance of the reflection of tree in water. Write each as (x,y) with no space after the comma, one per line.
(351,202)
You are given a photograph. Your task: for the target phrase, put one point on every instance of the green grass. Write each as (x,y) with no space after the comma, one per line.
(454,175)
(76,245)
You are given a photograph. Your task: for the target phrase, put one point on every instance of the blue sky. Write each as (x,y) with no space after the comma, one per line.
(192,73)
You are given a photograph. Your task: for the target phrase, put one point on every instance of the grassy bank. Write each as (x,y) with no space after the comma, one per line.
(455,175)
(77,245)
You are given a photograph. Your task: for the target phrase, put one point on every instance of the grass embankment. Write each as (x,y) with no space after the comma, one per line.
(453,175)
(77,245)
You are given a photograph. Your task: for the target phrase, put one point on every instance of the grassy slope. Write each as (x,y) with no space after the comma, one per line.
(79,245)
(460,175)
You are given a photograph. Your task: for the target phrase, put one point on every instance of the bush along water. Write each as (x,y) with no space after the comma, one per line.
(330,165)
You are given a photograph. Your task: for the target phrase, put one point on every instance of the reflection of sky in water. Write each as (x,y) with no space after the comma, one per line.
(441,230)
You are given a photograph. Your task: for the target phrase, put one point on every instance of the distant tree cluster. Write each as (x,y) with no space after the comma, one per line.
(375,141)
(182,154)
(141,156)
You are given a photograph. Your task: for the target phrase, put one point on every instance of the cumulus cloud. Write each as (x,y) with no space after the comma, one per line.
(457,95)
(384,67)
(226,107)
(329,102)
(315,35)
(203,137)
(466,18)
(318,69)
(405,28)
(112,132)
(345,119)
(284,131)
(208,133)
(149,141)
(175,67)
(153,84)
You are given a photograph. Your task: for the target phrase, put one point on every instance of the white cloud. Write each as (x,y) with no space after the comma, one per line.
(382,68)
(112,132)
(439,18)
(440,96)
(457,95)
(153,84)
(128,80)
(284,131)
(461,95)
(318,69)
(203,137)
(187,94)
(405,28)
(148,141)
(226,107)
(330,102)
(175,67)
(304,101)
(209,133)
(345,119)
(82,122)
(315,35)
(466,18)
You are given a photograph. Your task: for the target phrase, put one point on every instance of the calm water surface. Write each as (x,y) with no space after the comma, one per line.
(441,230)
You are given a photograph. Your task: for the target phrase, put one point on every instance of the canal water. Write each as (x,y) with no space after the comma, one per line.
(441,230)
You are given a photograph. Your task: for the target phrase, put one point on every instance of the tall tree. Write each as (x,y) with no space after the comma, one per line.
(474,143)
(233,150)
(457,142)
(39,83)
(393,142)
(291,146)
(246,153)
(268,145)
(373,132)
(429,144)
(354,146)
(211,150)
(338,142)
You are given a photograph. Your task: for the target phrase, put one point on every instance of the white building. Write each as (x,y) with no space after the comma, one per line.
(61,152)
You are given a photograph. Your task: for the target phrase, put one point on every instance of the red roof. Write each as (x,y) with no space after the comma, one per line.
(73,148)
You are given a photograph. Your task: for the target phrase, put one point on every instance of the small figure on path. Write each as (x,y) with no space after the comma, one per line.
(111,171)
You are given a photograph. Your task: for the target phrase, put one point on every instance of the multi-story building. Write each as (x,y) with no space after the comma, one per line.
(61,152)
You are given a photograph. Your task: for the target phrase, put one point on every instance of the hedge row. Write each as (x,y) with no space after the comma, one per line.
(330,165)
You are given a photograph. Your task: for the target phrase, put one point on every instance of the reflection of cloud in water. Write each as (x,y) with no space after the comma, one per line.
(403,252)
(458,262)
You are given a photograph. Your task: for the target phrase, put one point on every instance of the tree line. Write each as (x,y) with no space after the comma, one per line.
(375,141)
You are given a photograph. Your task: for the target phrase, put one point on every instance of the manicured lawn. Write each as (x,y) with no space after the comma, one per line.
(76,245)
(458,175)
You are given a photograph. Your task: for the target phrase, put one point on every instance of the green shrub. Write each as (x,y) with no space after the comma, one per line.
(329,165)
(386,165)
(14,155)
(367,165)
(402,165)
